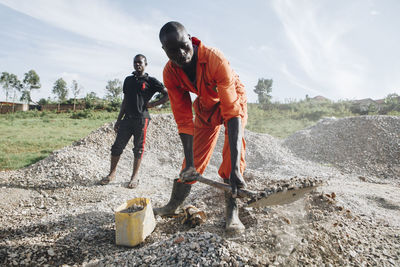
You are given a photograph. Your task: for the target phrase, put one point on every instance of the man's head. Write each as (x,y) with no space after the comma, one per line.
(177,43)
(139,63)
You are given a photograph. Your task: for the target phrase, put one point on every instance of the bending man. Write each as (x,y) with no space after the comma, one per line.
(221,99)
(138,89)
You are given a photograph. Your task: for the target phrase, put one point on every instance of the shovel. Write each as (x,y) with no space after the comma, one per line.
(279,194)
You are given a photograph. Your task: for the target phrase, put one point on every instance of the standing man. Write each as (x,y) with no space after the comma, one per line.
(134,117)
(221,99)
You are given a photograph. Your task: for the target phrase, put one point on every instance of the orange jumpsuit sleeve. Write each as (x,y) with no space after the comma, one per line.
(181,103)
(225,79)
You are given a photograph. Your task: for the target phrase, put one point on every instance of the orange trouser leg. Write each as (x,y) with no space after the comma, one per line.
(225,168)
(204,141)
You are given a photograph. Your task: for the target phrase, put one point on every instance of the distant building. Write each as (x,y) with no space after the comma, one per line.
(6,107)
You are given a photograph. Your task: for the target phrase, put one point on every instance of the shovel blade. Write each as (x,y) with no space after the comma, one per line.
(281,198)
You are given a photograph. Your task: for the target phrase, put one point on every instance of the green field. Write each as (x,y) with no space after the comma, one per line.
(27,137)
(277,123)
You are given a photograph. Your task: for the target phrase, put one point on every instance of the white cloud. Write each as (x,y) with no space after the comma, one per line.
(333,48)
(95,19)
(374,12)
(261,48)
(113,38)
(320,50)
(69,77)
(294,80)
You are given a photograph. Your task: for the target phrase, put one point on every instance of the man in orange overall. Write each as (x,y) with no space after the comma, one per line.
(221,99)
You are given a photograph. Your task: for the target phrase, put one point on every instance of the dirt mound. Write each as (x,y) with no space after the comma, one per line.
(87,160)
(79,164)
(368,145)
(68,219)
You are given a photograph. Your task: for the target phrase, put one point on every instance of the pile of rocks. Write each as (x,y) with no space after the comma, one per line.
(367,145)
(54,212)
(181,249)
(79,164)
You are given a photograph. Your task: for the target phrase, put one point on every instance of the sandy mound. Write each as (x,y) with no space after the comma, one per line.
(56,213)
(86,161)
(369,145)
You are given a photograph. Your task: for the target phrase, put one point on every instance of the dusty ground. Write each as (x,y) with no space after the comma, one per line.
(54,213)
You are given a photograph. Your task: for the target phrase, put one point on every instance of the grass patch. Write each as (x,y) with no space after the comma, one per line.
(278,123)
(282,120)
(27,137)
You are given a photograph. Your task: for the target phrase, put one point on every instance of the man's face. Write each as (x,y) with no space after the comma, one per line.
(178,47)
(139,63)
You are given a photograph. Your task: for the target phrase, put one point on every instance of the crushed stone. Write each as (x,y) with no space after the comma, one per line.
(366,145)
(55,213)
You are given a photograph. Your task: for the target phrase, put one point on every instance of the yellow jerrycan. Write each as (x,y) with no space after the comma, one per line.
(134,221)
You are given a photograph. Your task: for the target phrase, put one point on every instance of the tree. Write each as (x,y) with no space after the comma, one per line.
(263,89)
(114,90)
(392,102)
(92,96)
(90,100)
(60,89)
(392,99)
(10,83)
(76,89)
(43,101)
(31,81)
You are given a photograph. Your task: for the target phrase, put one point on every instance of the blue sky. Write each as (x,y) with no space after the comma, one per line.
(342,49)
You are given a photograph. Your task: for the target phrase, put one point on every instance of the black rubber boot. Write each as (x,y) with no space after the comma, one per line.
(232,220)
(180,191)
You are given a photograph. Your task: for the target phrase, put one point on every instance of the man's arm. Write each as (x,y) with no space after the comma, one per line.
(181,105)
(235,135)
(120,115)
(161,101)
(232,112)
(189,172)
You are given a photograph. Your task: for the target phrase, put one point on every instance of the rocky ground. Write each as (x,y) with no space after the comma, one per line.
(54,213)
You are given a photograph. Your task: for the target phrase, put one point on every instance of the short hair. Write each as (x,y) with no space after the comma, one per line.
(141,55)
(172,26)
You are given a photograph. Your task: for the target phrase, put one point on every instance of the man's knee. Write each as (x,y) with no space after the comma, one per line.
(116,150)
(138,152)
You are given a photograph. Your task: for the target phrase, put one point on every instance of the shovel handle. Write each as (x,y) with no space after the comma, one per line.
(226,187)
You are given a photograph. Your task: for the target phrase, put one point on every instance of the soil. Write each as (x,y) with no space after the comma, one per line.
(54,212)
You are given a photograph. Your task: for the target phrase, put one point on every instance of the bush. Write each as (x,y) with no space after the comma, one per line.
(311,114)
(100,105)
(43,101)
(113,106)
(82,114)
(25,114)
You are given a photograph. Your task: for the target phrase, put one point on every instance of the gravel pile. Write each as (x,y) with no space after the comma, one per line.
(368,145)
(87,160)
(82,163)
(181,249)
(54,213)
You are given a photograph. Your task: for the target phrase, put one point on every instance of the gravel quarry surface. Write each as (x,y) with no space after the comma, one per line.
(368,145)
(54,212)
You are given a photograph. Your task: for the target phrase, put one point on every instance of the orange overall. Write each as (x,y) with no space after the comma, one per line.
(220,97)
